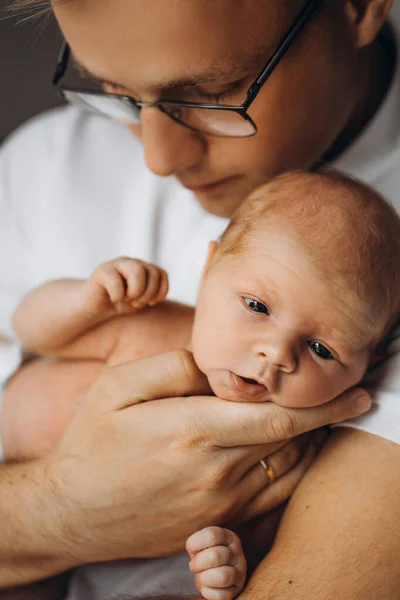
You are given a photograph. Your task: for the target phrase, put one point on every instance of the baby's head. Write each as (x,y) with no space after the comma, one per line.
(300,295)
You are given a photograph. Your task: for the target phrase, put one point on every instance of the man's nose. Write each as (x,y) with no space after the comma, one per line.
(278,351)
(169,147)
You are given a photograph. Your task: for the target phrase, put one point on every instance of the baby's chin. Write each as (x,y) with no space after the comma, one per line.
(224,394)
(222,391)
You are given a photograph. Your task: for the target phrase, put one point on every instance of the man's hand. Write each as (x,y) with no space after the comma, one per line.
(135,478)
(124,285)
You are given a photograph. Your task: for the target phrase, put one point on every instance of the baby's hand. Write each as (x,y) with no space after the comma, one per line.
(217,559)
(125,285)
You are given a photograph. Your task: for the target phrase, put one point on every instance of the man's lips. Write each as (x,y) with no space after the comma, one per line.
(245,386)
(209,187)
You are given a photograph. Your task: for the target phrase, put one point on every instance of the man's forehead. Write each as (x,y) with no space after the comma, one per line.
(170,43)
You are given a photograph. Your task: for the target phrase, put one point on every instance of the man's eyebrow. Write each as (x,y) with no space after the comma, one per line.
(86,74)
(238,70)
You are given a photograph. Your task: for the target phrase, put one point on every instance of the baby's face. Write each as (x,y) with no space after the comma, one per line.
(269,328)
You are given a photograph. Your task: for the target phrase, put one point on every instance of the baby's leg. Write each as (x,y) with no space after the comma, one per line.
(39,402)
(218,561)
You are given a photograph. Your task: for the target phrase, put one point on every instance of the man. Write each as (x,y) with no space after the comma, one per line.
(332,97)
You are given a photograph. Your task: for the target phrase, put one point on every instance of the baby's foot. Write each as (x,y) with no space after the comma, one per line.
(217,559)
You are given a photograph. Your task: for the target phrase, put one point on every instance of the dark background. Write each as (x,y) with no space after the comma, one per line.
(27,61)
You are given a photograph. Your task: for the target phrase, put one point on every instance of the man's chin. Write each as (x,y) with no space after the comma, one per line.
(220,206)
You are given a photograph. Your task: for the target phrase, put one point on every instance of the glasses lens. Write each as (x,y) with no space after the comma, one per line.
(227,123)
(119,108)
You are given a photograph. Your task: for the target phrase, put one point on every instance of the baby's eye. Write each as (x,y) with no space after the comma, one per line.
(320,350)
(256,306)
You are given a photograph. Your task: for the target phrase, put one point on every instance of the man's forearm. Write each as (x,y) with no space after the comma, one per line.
(34,535)
(340,536)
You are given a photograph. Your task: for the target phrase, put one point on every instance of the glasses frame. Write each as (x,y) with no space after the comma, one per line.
(242,109)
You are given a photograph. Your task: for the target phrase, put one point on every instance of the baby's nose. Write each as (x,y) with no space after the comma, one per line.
(279,354)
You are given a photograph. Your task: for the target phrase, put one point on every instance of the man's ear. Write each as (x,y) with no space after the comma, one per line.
(212,250)
(367,18)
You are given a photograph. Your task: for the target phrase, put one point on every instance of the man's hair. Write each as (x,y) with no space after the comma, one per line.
(36,4)
(349,232)
(32,8)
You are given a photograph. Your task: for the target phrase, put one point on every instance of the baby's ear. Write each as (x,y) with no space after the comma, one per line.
(212,250)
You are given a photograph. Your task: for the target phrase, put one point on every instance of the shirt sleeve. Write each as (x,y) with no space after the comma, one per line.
(383,384)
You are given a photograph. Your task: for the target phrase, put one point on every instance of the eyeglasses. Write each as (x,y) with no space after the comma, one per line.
(213,119)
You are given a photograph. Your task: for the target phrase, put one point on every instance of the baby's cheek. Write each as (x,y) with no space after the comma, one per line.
(206,351)
(198,355)
(308,391)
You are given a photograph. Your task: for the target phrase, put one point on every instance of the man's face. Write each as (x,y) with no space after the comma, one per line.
(160,48)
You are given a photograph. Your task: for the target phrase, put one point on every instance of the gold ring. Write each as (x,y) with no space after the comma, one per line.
(269,471)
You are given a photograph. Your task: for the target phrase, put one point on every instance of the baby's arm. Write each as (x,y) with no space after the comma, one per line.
(218,561)
(42,397)
(54,316)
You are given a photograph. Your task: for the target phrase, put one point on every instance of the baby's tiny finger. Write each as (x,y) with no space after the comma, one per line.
(217,556)
(135,274)
(219,577)
(162,288)
(113,284)
(221,594)
(152,286)
(208,538)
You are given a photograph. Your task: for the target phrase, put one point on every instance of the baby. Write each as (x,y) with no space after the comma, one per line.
(297,301)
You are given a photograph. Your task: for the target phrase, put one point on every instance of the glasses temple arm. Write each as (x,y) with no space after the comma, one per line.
(284,46)
(62,63)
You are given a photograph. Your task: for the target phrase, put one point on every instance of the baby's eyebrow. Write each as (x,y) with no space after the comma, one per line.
(354,339)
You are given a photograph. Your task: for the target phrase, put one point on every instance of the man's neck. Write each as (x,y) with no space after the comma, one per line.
(376,73)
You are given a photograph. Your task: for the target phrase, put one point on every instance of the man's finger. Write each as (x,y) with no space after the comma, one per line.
(173,374)
(273,495)
(256,479)
(235,424)
(247,456)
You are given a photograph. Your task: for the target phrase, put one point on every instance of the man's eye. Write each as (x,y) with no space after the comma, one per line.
(320,350)
(256,306)
(232,92)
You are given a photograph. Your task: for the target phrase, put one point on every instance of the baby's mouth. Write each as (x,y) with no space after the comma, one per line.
(250,381)
(246,387)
